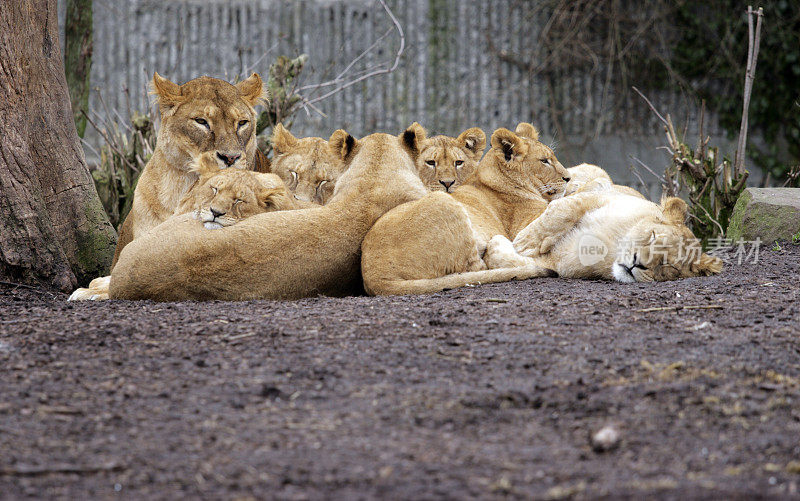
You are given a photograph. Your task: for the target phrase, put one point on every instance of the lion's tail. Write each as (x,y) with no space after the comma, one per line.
(430,285)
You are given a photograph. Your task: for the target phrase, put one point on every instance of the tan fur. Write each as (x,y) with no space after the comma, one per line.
(279,255)
(229,130)
(234,194)
(642,241)
(446,162)
(437,242)
(307,166)
(588,177)
(224,197)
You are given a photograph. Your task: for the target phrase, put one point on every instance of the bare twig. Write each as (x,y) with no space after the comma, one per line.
(34,471)
(721,229)
(14,284)
(648,169)
(664,120)
(754,40)
(678,308)
(639,177)
(375,72)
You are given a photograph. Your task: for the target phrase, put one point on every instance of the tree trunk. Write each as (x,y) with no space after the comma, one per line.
(53,229)
(78,57)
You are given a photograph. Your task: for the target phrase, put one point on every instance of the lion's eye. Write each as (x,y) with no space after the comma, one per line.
(214,190)
(546,161)
(459,163)
(430,163)
(294,175)
(242,123)
(322,183)
(202,121)
(238,201)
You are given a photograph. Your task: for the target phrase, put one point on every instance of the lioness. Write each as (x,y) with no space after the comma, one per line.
(446,162)
(437,242)
(203,115)
(221,197)
(279,255)
(306,165)
(609,235)
(588,177)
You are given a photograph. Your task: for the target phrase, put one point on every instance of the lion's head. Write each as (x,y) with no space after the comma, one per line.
(223,197)
(306,165)
(663,249)
(446,162)
(208,115)
(525,162)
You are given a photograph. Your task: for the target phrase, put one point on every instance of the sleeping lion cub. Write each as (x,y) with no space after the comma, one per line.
(446,162)
(609,235)
(224,197)
(219,198)
(307,166)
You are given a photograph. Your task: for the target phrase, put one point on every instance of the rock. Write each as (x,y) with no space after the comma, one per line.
(606,438)
(766,213)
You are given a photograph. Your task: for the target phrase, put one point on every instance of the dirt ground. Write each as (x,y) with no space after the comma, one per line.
(484,392)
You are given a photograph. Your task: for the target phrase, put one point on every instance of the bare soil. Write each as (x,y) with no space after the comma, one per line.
(484,392)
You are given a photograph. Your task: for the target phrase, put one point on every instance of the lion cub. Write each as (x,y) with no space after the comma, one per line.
(219,198)
(306,165)
(446,162)
(224,197)
(608,235)
(437,242)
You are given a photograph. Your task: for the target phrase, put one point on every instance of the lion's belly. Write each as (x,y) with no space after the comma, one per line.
(589,250)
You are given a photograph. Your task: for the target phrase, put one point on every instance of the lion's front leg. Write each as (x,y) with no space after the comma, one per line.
(560,217)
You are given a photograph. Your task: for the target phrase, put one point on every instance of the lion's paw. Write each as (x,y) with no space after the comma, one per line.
(500,253)
(97,290)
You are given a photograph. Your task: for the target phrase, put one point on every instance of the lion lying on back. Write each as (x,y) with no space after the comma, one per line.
(219,198)
(608,235)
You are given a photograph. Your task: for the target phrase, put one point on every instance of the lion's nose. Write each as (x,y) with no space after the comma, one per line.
(447,184)
(229,158)
(216,213)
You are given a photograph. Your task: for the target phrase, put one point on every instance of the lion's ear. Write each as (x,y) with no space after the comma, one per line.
(509,143)
(205,165)
(272,197)
(168,92)
(282,139)
(474,140)
(412,139)
(252,90)
(675,210)
(342,145)
(525,129)
(262,163)
(707,265)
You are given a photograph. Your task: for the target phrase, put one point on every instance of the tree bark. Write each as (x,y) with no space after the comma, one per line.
(78,57)
(53,229)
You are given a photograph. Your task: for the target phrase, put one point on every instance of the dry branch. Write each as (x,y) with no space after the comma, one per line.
(342,84)
(754,41)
